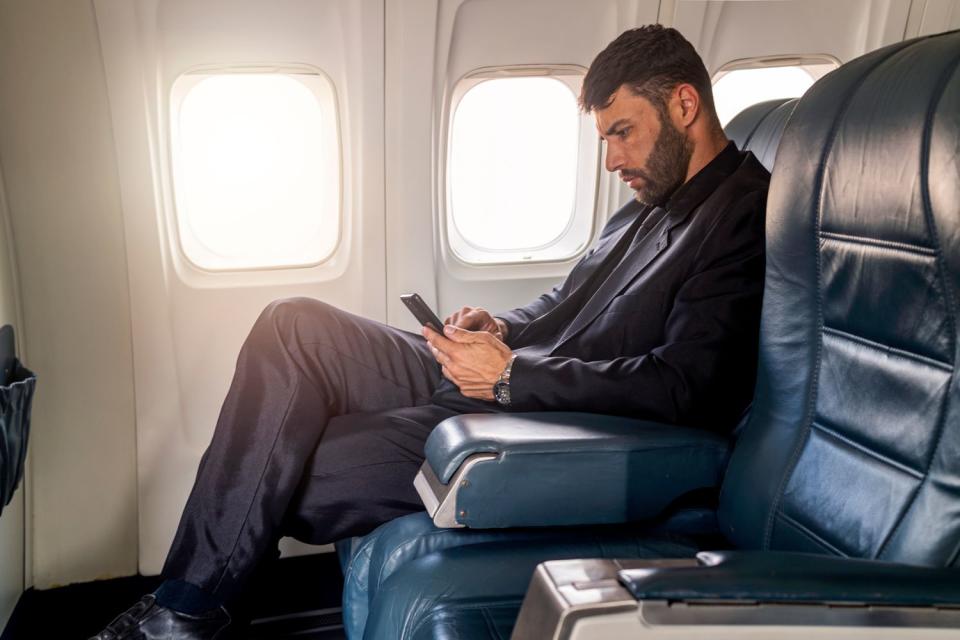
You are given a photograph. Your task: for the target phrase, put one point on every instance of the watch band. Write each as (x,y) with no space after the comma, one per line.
(501,389)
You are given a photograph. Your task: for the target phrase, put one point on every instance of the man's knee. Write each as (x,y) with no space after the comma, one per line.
(287,312)
(289,321)
(286,309)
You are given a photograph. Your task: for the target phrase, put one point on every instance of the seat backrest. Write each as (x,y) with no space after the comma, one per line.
(759,127)
(853,444)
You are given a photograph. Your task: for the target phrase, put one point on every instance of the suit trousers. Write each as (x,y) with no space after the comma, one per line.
(320,437)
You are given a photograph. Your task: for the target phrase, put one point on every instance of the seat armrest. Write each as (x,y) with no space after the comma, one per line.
(783,577)
(547,469)
(737,595)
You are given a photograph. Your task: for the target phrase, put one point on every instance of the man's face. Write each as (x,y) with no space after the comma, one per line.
(651,155)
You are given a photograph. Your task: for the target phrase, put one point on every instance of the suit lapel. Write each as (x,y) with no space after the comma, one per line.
(637,258)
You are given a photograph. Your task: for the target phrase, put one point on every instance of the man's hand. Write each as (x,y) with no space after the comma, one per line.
(477,319)
(472,360)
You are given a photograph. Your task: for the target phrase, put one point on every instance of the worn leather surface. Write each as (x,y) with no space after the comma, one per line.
(572,468)
(466,620)
(759,128)
(771,576)
(853,446)
(405,539)
(399,541)
(432,591)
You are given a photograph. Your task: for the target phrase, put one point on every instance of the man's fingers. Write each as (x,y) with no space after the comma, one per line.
(439,356)
(457,334)
(442,344)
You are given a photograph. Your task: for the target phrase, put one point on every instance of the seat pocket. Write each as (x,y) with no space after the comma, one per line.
(16,398)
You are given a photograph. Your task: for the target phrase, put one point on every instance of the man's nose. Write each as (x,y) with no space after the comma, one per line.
(612,161)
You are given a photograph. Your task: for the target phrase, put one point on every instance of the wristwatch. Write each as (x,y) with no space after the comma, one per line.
(501,388)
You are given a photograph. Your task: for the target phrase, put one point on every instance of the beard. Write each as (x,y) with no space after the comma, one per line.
(666,167)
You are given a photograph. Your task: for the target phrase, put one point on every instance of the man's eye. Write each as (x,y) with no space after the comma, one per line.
(622,134)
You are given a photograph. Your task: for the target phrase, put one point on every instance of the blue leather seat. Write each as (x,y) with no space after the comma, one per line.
(852,449)
(759,128)
(852,452)
(684,527)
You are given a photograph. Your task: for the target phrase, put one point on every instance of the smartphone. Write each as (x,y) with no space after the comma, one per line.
(421,311)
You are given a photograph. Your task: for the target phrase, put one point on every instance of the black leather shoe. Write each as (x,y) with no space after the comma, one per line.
(147,620)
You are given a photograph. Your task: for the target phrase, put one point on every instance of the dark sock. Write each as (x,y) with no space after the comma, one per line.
(185,597)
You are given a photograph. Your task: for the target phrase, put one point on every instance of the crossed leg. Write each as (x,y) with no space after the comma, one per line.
(303,364)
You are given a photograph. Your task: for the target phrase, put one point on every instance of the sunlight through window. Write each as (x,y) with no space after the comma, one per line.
(513,171)
(736,90)
(256,170)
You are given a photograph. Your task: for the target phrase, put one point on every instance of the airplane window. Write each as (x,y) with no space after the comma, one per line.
(256,169)
(735,90)
(515,184)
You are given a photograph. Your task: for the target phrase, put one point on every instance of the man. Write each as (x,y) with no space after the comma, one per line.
(322,431)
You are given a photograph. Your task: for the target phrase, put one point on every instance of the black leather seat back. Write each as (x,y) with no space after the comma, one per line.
(853,445)
(759,127)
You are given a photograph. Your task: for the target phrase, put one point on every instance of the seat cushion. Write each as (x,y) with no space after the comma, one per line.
(475,591)
(379,554)
(375,557)
(400,541)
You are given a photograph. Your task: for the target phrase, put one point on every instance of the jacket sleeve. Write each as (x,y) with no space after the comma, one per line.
(710,346)
(518,318)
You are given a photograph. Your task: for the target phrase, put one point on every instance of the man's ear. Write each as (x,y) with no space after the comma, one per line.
(688,99)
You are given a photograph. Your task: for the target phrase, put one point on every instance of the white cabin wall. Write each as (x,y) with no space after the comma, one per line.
(726,31)
(12,522)
(58,162)
(57,154)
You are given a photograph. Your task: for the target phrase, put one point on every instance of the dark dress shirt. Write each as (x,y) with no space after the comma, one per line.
(660,319)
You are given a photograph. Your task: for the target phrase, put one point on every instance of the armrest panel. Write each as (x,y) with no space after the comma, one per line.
(782,577)
(509,470)
(576,599)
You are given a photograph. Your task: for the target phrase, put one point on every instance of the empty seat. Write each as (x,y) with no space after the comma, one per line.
(758,128)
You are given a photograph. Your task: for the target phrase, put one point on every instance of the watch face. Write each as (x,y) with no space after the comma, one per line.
(501,391)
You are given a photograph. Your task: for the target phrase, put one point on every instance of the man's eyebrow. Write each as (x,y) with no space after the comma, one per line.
(616,125)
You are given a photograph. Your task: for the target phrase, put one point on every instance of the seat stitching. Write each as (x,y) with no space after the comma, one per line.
(756,127)
(948,293)
(894,245)
(392,556)
(808,533)
(485,612)
(887,349)
(818,211)
(850,442)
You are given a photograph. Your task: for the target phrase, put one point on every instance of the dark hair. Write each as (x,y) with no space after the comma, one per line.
(651,60)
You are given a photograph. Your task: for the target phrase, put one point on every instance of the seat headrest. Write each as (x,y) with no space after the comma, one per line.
(853,444)
(758,128)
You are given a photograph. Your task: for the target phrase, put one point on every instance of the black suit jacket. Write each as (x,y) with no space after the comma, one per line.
(671,334)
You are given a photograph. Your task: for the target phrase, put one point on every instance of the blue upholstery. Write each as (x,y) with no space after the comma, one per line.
(404,554)
(759,128)
(594,464)
(853,444)
(394,544)
(475,591)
